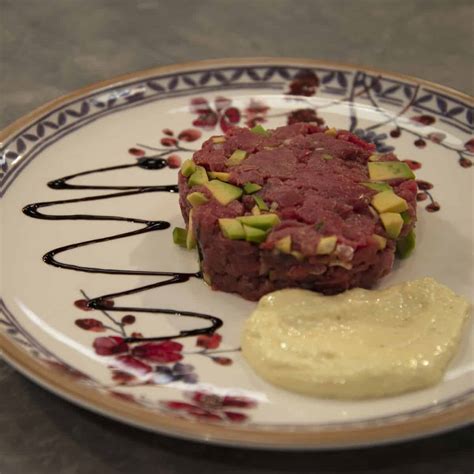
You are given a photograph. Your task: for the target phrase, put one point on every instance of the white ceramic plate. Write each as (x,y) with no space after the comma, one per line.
(200,387)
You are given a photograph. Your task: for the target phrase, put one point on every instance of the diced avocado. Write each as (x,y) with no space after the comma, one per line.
(190,237)
(378,186)
(188,168)
(250,188)
(331,132)
(179,236)
(255,211)
(393,223)
(198,178)
(236,158)
(284,244)
(374,157)
(224,192)
(259,130)
(219,175)
(327,156)
(381,241)
(260,203)
(197,199)
(388,201)
(326,245)
(273,206)
(383,170)
(406,217)
(406,245)
(265,221)
(219,139)
(232,229)
(252,234)
(298,255)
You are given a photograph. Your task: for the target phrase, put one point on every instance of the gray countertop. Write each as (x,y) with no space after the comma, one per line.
(49,48)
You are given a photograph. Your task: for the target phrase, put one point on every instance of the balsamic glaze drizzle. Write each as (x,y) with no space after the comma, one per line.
(100,302)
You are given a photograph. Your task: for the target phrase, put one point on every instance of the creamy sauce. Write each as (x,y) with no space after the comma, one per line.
(359,344)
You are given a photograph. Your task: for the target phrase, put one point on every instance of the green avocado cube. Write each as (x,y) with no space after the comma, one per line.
(252,234)
(259,130)
(179,236)
(406,217)
(197,199)
(384,170)
(379,187)
(388,201)
(219,175)
(198,178)
(381,241)
(190,237)
(264,221)
(260,203)
(393,223)
(223,192)
(326,245)
(232,229)
(406,245)
(188,168)
(250,188)
(236,158)
(284,244)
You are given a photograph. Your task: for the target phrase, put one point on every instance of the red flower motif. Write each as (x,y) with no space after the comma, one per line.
(423,119)
(174,161)
(167,131)
(136,335)
(167,141)
(413,165)
(127,397)
(209,117)
(128,319)
(90,325)
(121,377)
(437,137)
(131,365)
(136,152)
(304,115)
(420,143)
(209,342)
(222,360)
(256,113)
(305,83)
(110,345)
(83,304)
(469,145)
(162,352)
(189,135)
(212,407)
(465,162)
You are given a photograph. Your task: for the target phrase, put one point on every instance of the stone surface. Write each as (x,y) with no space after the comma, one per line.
(49,48)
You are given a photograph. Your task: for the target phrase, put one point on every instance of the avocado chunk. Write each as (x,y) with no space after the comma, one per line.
(374,157)
(381,241)
(332,132)
(406,245)
(393,223)
(284,244)
(232,229)
(264,221)
(388,201)
(260,203)
(255,211)
(223,192)
(190,237)
(259,130)
(236,158)
(252,234)
(219,175)
(383,170)
(326,245)
(198,178)
(179,236)
(298,255)
(197,199)
(219,139)
(188,168)
(250,188)
(379,187)
(406,217)
(327,156)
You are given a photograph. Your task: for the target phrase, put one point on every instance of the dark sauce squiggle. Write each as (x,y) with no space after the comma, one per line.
(101,302)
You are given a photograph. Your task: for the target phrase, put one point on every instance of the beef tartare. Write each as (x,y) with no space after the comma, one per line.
(298,206)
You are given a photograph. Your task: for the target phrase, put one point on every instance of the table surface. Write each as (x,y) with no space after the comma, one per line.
(50,48)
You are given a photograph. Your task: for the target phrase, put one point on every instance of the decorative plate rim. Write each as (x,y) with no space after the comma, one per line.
(444,417)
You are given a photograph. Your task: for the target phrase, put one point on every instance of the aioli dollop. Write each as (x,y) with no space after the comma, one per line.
(359,344)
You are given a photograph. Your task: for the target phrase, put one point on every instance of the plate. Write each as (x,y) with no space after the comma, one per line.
(100,307)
